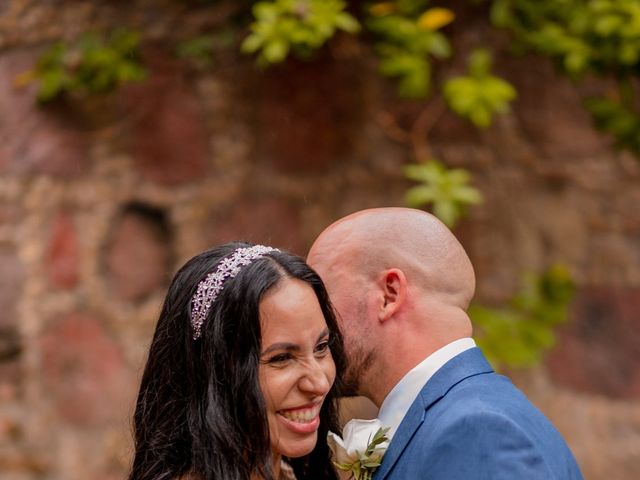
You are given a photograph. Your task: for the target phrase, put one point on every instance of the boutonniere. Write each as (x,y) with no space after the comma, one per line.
(361,450)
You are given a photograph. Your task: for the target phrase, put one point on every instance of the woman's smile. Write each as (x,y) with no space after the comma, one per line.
(304,419)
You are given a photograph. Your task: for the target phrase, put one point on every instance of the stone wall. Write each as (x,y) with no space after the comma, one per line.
(101,201)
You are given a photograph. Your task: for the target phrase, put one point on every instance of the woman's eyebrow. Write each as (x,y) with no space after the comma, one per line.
(290,347)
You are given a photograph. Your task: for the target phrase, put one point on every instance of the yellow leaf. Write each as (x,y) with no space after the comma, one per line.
(24,79)
(382,9)
(435,18)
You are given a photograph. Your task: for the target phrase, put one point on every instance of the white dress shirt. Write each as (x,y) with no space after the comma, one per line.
(396,404)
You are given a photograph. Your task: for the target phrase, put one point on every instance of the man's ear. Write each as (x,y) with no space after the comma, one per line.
(393,285)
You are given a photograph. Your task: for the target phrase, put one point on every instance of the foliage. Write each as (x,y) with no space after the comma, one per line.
(479,95)
(95,64)
(448,190)
(301,26)
(597,37)
(518,334)
(406,39)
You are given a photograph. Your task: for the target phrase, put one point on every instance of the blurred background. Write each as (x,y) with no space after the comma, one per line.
(135,134)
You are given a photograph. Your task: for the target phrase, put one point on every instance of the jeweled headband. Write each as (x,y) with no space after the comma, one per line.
(213,283)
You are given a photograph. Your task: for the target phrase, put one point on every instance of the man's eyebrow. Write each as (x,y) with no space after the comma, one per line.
(291,347)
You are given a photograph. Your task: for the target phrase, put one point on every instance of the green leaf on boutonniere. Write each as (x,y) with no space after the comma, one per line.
(369,460)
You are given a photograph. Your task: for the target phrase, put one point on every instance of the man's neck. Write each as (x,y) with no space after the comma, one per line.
(395,365)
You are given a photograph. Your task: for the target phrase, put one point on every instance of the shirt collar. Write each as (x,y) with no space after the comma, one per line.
(396,404)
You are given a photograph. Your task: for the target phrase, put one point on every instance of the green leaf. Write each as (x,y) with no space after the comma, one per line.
(446,190)
(275,51)
(479,63)
(301,27)
(252,43)
(348,23)
(479,95)
(95,64)
(52,82)
(439,46)
(447,211)
(419,196)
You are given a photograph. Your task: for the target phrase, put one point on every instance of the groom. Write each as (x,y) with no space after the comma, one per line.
(401,284)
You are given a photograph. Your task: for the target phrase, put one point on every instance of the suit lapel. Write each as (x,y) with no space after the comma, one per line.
(469,363)
(411,422)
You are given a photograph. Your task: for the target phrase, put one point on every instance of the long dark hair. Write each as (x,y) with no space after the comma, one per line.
(200,410)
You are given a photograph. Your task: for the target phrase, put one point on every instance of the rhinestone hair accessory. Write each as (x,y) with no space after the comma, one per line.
(213,283)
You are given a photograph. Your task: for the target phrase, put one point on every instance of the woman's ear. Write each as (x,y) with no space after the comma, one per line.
(393,285)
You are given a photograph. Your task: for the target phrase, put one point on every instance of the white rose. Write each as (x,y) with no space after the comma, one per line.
(357,437)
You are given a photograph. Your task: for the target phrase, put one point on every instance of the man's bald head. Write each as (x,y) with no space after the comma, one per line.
(400,282)
(370,241)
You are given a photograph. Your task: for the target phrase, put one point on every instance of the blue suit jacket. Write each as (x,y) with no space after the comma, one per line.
(470,423)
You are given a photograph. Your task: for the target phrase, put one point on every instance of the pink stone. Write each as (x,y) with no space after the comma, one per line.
(83,371)
(62,253)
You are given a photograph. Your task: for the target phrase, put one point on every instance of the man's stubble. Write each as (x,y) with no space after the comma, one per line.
(361,353)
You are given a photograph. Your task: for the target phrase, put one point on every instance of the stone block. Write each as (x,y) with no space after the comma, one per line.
(83,371)
(271,221)
(62,253)
(309,115)
(138,254)
(12,276)
(11,373)
(169,140)
(550,111)
(599,350)
(10,344)
(35,139)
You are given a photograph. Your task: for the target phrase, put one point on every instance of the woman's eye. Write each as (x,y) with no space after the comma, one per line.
(322,347)
(279,359)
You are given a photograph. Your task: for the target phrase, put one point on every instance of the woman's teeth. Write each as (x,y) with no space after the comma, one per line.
(302,415)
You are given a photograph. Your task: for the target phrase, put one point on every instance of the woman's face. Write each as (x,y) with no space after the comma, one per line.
(296,367)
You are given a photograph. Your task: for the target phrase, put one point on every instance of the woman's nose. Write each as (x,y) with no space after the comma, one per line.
(315,380)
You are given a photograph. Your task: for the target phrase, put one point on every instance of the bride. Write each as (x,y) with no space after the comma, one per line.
(240,380)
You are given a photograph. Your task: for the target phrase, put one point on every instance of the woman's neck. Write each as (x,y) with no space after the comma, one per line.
(277,459)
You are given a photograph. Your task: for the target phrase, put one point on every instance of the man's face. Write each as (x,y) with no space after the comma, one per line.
(348,293)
